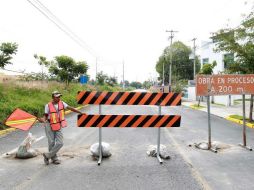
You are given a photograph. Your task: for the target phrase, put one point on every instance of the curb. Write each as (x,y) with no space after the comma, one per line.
(5,131)
(78,108)
(240,122)
(9,130)
(195,108)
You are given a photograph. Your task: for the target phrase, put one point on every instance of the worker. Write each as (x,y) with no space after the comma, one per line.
(54,120)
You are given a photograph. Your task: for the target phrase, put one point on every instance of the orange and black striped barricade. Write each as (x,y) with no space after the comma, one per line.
(129,98)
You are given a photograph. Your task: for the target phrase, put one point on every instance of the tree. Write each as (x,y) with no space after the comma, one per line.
(182,66)
(101,78)
(6,52)
(111,81)
(136,84)
(207,69)
(147,84)
(42,61)
(66,69)
(126,83)
(239,41)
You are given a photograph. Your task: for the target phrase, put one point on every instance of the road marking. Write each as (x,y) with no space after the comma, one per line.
(194,171)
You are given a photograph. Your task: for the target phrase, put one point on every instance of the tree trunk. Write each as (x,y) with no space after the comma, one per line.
(251,107)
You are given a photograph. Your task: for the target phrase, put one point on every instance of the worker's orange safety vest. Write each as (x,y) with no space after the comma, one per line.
(56,120)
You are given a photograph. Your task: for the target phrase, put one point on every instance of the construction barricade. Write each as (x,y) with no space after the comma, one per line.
(128,98)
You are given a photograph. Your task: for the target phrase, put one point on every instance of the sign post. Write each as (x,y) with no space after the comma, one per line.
(209,121)
(244,145)
(215,85)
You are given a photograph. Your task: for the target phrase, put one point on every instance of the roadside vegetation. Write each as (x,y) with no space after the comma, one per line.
(31,91)
(239,42)
(33,99)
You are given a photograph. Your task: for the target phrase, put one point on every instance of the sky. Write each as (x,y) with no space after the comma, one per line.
(113,32)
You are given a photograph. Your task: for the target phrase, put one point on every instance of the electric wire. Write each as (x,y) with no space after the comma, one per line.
(57,22)
(67,28)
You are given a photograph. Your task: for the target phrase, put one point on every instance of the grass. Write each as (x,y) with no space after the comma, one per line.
(239,117)
(33,100)
(238,100)
(218,104)
(195,106)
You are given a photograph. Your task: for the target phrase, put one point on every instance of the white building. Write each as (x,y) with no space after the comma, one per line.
(223,60)
(208,55)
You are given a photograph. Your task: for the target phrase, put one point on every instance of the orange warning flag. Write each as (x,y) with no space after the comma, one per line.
(20,119)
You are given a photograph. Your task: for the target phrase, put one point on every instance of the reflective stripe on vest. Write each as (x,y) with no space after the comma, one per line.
(56,120)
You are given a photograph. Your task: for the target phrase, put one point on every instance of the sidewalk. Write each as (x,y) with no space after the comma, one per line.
(223,111)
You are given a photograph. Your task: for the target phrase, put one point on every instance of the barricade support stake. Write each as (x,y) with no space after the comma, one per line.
(158,140)
(100,146)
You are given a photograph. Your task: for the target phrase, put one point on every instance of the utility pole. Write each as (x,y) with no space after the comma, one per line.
(96,71)
(123,76)
(194,57)
(170,65)
(163,72)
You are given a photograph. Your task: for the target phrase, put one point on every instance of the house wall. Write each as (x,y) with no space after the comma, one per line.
(207,51)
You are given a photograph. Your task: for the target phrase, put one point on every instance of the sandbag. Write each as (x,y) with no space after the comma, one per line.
(23,153)
(94,148)
(152,151)
(24,150)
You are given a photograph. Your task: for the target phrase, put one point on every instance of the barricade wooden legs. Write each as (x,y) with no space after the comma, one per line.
(100,147)
(100,140)
(158,140)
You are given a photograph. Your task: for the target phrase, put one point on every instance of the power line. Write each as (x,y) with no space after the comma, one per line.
(21,72)
(50,16)
(68,29)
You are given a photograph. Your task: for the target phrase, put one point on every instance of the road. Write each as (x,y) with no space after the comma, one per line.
(129,167)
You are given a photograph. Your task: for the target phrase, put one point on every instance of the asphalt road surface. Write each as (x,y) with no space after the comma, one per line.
(129,167)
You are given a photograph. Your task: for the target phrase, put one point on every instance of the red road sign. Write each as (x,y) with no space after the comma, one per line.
(224,84)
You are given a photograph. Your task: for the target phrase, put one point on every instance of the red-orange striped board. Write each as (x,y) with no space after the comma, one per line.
(85,120)
(129,98)
(20,119)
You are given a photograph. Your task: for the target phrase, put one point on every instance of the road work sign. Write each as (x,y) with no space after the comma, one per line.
(129,98)
(224,84)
